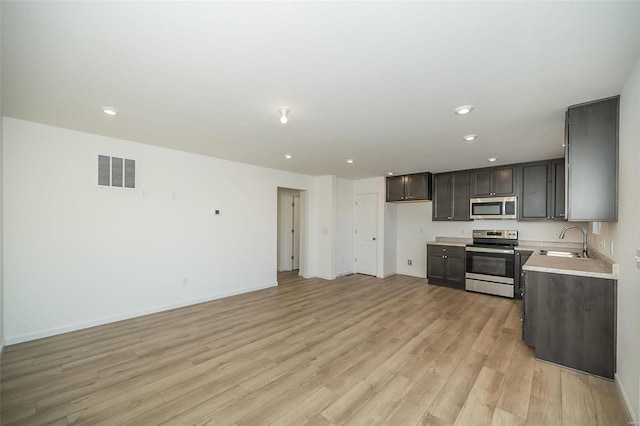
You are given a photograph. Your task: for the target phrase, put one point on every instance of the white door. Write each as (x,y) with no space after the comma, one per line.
(366,238)
(295,234)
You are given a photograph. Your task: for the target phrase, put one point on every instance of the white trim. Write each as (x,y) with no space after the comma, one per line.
(120,317)
(325,277)
(627,405)
(387,275)
(2,344)
(413,275)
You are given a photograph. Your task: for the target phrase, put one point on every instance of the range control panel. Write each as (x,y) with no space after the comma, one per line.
(494,233)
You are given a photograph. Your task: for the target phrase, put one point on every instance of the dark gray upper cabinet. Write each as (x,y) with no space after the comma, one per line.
(413,187)
(558,188)
(542,191)
(451,196)
(395,188)
(591,153)
(494,182)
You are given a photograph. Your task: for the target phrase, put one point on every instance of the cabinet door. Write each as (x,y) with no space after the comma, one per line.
(395,188)
(529,303)
(558,190)
(455,266)
(592,159)
(534,195)
(521,259)
(442,197)
(435,266)
(460,186)
(482,182)
(575,321)
(417,187)
(504,181)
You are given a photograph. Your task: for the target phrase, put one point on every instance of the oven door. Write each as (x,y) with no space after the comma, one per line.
(490,264)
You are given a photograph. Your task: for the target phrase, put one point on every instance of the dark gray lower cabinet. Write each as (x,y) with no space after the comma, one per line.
(521,258)
(571,321)
(445,265)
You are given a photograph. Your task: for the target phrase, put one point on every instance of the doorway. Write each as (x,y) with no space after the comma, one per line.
(291,230)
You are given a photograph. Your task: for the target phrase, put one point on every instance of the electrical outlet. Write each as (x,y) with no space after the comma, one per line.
(409,262)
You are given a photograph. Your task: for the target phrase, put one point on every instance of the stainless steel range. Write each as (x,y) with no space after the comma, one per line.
(491,262)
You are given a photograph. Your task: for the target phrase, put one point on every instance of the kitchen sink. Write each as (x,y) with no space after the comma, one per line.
(558,253)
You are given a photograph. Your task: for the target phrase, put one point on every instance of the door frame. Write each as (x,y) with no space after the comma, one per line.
(287,240)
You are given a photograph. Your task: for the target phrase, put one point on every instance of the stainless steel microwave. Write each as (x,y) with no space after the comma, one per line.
(494,208)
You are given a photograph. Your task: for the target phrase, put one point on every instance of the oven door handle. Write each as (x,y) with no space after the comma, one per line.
(489,250)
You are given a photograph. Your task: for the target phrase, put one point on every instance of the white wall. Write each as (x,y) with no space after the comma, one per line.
(625,235)
(344,227)
(78,255)
(415,229)
(285,223)
(390,238)
(325,190)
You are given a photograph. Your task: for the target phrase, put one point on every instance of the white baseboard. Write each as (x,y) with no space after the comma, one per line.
(325,277)
(120,317)
(411,275)
(2,344)
(627,404)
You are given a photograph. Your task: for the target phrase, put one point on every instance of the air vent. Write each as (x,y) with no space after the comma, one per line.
(116,172)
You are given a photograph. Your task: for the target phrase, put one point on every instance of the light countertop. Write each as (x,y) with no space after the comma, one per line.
(596,265)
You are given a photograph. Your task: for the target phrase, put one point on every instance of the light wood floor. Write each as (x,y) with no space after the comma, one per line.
(358,350)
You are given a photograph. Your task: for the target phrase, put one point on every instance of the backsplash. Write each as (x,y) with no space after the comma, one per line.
(415,228)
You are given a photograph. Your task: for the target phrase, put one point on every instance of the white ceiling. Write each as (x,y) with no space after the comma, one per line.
(372,81)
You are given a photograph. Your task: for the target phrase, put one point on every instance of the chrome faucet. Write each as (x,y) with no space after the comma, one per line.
(584,237)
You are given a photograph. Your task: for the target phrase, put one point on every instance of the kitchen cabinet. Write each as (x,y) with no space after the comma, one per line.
(542,190)
(451,196)
(446,265)
(591,153)
(521,258)
(571,321)
(413,187)
(494,182)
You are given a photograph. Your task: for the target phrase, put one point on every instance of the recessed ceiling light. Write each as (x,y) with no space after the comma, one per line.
(350,161)
(390,173)
(492,159)
(288,156)
(109,110)
(470,138)
(463,109)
